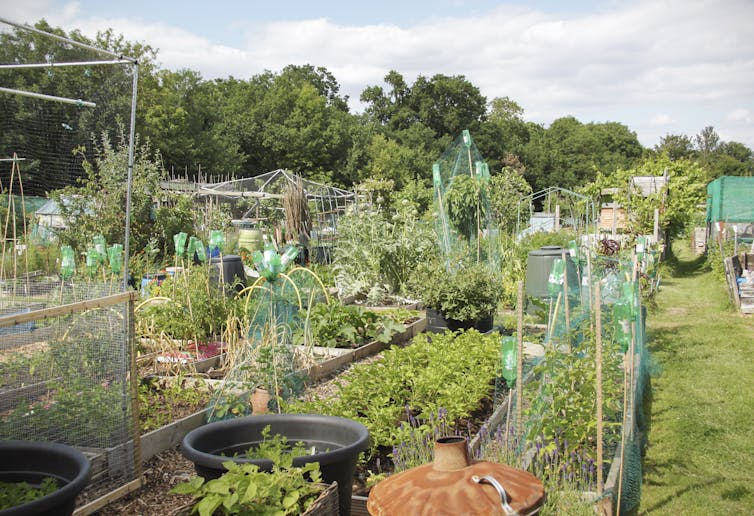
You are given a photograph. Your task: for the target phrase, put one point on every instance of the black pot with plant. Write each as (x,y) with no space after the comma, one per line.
(461,295)
(334,442)
(26,466)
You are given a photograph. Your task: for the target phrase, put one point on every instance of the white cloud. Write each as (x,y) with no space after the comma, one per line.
(622,61)
(661,119)
(742,115)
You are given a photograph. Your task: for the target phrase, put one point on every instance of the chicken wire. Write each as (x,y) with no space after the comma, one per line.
(65,377)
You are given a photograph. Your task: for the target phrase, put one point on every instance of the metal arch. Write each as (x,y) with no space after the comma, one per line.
(541,193)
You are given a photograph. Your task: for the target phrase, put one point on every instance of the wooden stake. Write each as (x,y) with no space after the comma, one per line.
(598,342)
(519,356)
(566,305)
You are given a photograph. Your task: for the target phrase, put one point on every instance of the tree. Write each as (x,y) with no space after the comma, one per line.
(96,206)
(676,146)
(506,190)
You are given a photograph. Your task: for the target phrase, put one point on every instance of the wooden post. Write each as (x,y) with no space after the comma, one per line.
(598,343)
(519,356)
(566,304)
(656,231)
(557,217)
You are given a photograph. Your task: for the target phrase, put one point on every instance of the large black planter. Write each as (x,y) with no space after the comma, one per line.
(341,440)
(32,462)
(437,323)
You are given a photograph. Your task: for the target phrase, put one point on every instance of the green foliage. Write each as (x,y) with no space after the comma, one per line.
(197,309)
(336,325)
(467,204)
(452,372)
(678,201)
(467,292)
(161,398)
(96,416)
(377,252)
(18,493)
(506,189)
(244,489)
(564,397)
(176,216)
(95,207)
(276,448)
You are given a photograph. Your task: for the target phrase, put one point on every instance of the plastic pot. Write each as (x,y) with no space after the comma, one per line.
(337,441)
(32,462)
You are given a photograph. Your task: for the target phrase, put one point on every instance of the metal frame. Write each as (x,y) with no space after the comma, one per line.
(119,59)
(590,209)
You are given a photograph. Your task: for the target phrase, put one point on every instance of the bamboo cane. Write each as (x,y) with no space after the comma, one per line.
(566,304)
(519,355)
(598,337)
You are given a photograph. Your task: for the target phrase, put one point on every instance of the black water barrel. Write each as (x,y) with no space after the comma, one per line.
(539,266)
(231,267)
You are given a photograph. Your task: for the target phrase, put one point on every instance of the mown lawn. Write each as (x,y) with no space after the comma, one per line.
(700,454)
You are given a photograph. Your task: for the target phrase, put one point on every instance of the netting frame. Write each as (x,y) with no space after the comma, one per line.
(115,60)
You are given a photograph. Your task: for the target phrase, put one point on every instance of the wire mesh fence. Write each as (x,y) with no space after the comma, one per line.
(66,376)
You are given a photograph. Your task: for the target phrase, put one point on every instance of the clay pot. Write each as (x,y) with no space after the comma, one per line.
(260,400)
(454,484)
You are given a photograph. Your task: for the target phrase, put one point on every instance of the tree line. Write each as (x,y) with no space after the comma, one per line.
(298,119)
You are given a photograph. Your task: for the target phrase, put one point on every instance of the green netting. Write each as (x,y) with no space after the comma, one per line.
(460,179)
(555,437)
(729,199)
(274,308)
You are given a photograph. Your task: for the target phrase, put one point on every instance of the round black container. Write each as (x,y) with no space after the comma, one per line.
(337,441)
(32,462)
(232,270)
(539,266)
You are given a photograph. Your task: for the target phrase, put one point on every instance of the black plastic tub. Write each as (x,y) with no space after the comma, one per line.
(337,442)
(32,462)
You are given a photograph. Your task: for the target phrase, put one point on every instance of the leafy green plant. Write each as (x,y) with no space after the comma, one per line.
(377,251)
(336,325)
(17,493)
(161,398)
(275,447)
(466,292)
(467,202)
(244,489)
(564,397)
(452,372)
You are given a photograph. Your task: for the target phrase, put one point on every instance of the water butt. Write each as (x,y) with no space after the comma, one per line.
(454,484)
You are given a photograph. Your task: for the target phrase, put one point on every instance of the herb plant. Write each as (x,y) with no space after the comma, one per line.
(13,494)
(244,489)
(336,325)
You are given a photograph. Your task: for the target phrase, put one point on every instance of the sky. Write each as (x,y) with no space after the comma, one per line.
(658,66)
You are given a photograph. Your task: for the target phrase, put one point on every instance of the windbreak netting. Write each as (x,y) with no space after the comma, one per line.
(65,377)
(66,337)
(554,431)
(729,199)
(463,221)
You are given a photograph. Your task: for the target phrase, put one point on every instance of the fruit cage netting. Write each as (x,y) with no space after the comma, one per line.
(66,325)
(554,430)
(461,182)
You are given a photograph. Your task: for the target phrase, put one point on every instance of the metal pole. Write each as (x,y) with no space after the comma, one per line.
(131,138)
(42,96)
(61,38)
(58,65)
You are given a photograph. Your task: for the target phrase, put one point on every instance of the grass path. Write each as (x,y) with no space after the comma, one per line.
(700,456)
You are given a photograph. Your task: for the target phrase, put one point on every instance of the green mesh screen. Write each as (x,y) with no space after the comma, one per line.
(553,432)
(460,179)
(729,199)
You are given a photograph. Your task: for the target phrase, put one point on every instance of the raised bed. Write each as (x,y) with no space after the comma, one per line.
(339,357)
